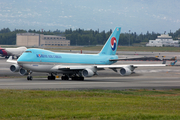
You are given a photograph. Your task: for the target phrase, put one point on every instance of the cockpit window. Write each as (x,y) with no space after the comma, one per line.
(28,52)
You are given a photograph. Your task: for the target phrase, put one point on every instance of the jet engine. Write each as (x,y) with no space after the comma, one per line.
(23,72)
(14,68)
(125,71)
(87,73)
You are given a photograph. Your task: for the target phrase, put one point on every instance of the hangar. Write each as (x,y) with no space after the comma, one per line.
(34,39)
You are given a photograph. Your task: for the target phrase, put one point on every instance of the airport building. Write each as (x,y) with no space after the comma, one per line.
(34,39)
(163,40)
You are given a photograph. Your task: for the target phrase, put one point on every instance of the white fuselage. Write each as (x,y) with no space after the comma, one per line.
(15,51)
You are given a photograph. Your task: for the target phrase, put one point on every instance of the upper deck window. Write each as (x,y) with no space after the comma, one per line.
(28,52)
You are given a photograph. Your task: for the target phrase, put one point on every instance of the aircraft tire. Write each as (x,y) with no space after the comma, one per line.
(67,78)
(77,78)
(29,77)
(64,78)
(82,78)
(51,78)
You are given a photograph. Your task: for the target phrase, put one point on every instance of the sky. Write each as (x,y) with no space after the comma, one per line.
(137,16)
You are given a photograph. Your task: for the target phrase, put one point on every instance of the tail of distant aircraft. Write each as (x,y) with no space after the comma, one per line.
(173,63)
(112,43)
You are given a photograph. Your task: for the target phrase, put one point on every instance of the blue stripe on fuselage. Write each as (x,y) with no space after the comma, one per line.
(39,55)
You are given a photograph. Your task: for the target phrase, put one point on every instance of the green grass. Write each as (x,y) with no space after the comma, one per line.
(90,104)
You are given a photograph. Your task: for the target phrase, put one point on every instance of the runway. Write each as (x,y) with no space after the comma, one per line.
(110,83)
(143,78)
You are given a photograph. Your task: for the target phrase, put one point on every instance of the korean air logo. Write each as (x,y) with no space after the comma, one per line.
(47,56)
(113,43)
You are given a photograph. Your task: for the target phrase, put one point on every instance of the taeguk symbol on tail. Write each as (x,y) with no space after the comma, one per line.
(113,43)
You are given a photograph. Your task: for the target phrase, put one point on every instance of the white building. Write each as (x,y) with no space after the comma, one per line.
(163,40)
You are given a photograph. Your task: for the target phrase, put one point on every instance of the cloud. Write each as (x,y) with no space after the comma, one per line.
(85,14)
(65,16)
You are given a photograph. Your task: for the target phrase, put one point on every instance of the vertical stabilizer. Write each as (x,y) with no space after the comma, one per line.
(111,44)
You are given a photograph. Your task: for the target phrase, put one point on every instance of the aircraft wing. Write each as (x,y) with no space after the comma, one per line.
(137,58)
(101,67)
(131,65)
(127,69)
(73,67)
(10,60)
(90,70)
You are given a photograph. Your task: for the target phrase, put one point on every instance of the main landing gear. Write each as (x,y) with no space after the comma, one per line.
(52,77)
(77,78)
(66,77)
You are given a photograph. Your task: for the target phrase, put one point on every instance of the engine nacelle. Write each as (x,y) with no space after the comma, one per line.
(87,73)
(23,72)
(14,68)
(125,71)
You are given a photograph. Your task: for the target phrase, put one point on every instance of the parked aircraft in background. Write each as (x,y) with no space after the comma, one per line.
(6,52)
(74,66)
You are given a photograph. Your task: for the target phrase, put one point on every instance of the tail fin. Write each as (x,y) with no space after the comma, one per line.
(173,63)
(112,43)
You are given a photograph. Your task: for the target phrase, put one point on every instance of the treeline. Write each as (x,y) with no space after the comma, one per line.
(8,37)
(85,37)
(91,37)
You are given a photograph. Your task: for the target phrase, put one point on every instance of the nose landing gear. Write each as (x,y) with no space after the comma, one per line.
(29,77)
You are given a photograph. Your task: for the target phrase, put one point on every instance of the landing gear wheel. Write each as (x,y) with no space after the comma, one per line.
(82,78)
(51,77)
(65,77)
(77,78)
(29,77)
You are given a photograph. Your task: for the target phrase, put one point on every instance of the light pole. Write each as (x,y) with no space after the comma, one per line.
(129,37)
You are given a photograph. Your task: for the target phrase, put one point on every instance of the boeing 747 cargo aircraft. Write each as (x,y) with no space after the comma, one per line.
(70,65)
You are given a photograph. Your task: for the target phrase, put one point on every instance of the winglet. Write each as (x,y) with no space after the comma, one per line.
(11,61)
